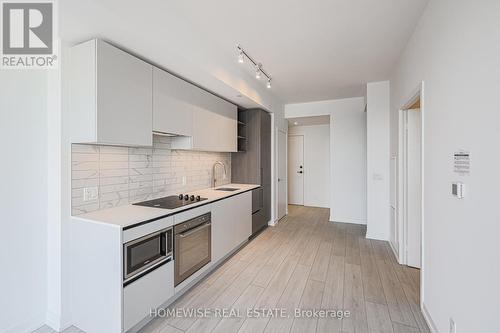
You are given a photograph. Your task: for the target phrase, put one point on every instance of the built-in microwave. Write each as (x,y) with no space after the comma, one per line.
(139,255)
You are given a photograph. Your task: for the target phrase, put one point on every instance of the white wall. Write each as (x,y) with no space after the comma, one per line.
(347,154)
(455,51)
(378,160)
(316,163)
(23,199)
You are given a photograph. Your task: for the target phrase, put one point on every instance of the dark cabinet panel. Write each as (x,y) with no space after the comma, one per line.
(266,198)
(258,221)
(254,165)
(265,148)
(257,199)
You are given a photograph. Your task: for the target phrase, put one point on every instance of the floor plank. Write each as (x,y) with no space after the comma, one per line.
(290,300)
(244,302)
(378,318)
(354,300)
(372,287)
(399,307)
(320,266)
(400,328)
(311,299)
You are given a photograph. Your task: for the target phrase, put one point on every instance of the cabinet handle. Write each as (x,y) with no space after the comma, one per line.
(192,231)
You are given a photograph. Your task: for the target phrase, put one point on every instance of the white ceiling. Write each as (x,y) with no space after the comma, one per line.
(309,121)
(315,50)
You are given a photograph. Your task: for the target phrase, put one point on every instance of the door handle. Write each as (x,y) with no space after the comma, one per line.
(192,231)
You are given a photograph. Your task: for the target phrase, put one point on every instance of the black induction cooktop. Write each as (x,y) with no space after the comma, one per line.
(172,202)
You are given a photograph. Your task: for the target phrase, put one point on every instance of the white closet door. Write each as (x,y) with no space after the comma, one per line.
(414,187)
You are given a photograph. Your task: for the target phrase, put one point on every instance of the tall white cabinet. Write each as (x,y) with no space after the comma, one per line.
(111,96)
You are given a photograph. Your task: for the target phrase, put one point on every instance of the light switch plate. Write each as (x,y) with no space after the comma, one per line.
(90,193)
(458,190)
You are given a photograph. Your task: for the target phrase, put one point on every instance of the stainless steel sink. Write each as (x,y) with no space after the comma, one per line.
(227,189)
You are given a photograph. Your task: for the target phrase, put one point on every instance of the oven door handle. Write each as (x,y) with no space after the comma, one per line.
(192,231)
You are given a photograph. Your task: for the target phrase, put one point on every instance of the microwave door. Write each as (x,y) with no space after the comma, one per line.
(144,252)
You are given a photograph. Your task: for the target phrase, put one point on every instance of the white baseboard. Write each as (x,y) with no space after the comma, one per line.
(428,319)
(396,254)
(272,223)
(347,220)
(55,322)
(377,237)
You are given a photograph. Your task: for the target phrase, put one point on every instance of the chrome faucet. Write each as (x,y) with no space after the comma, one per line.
(213,171)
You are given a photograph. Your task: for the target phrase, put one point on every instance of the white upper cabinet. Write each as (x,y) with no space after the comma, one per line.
(172,108)
(203,121)
(216,126)
(111,96)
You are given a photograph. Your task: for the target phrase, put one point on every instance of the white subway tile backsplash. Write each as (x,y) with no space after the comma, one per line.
(126,175)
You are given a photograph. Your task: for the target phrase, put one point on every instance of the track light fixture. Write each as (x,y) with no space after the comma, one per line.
(259,71)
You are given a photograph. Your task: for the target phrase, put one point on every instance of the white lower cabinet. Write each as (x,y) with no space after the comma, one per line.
(146,293)
(231,224)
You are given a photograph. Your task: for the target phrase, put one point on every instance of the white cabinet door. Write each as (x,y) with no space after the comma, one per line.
(206,129)
(172,108)
(147,293)
(111,97)
(214,132)
(231,224)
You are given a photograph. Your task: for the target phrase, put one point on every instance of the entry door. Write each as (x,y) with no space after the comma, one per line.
(282,177)
(296,169)
(414,187)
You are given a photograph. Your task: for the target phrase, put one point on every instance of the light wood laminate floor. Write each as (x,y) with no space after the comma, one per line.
(305,262)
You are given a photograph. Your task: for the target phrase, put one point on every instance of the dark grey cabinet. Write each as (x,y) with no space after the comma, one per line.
(253,166)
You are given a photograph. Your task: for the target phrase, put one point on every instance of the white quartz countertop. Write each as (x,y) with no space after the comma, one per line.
(127,215)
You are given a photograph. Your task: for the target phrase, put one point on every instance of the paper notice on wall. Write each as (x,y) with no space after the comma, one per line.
(461,162)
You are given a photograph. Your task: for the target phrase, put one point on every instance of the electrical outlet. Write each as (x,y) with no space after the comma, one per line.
(453,326)
(90,193)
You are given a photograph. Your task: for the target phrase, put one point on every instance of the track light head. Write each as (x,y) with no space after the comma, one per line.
(241,57)
(268,85)
(258,73)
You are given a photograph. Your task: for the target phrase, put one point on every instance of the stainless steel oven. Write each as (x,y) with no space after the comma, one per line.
(142,253)
(192,246)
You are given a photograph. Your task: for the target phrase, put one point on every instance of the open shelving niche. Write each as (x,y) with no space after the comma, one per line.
(242,131)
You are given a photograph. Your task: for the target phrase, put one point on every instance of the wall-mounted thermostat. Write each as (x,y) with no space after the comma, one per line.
(458,189)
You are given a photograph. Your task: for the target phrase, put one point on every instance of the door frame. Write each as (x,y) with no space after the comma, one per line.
(276,143)
(418,93)
(303,165)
